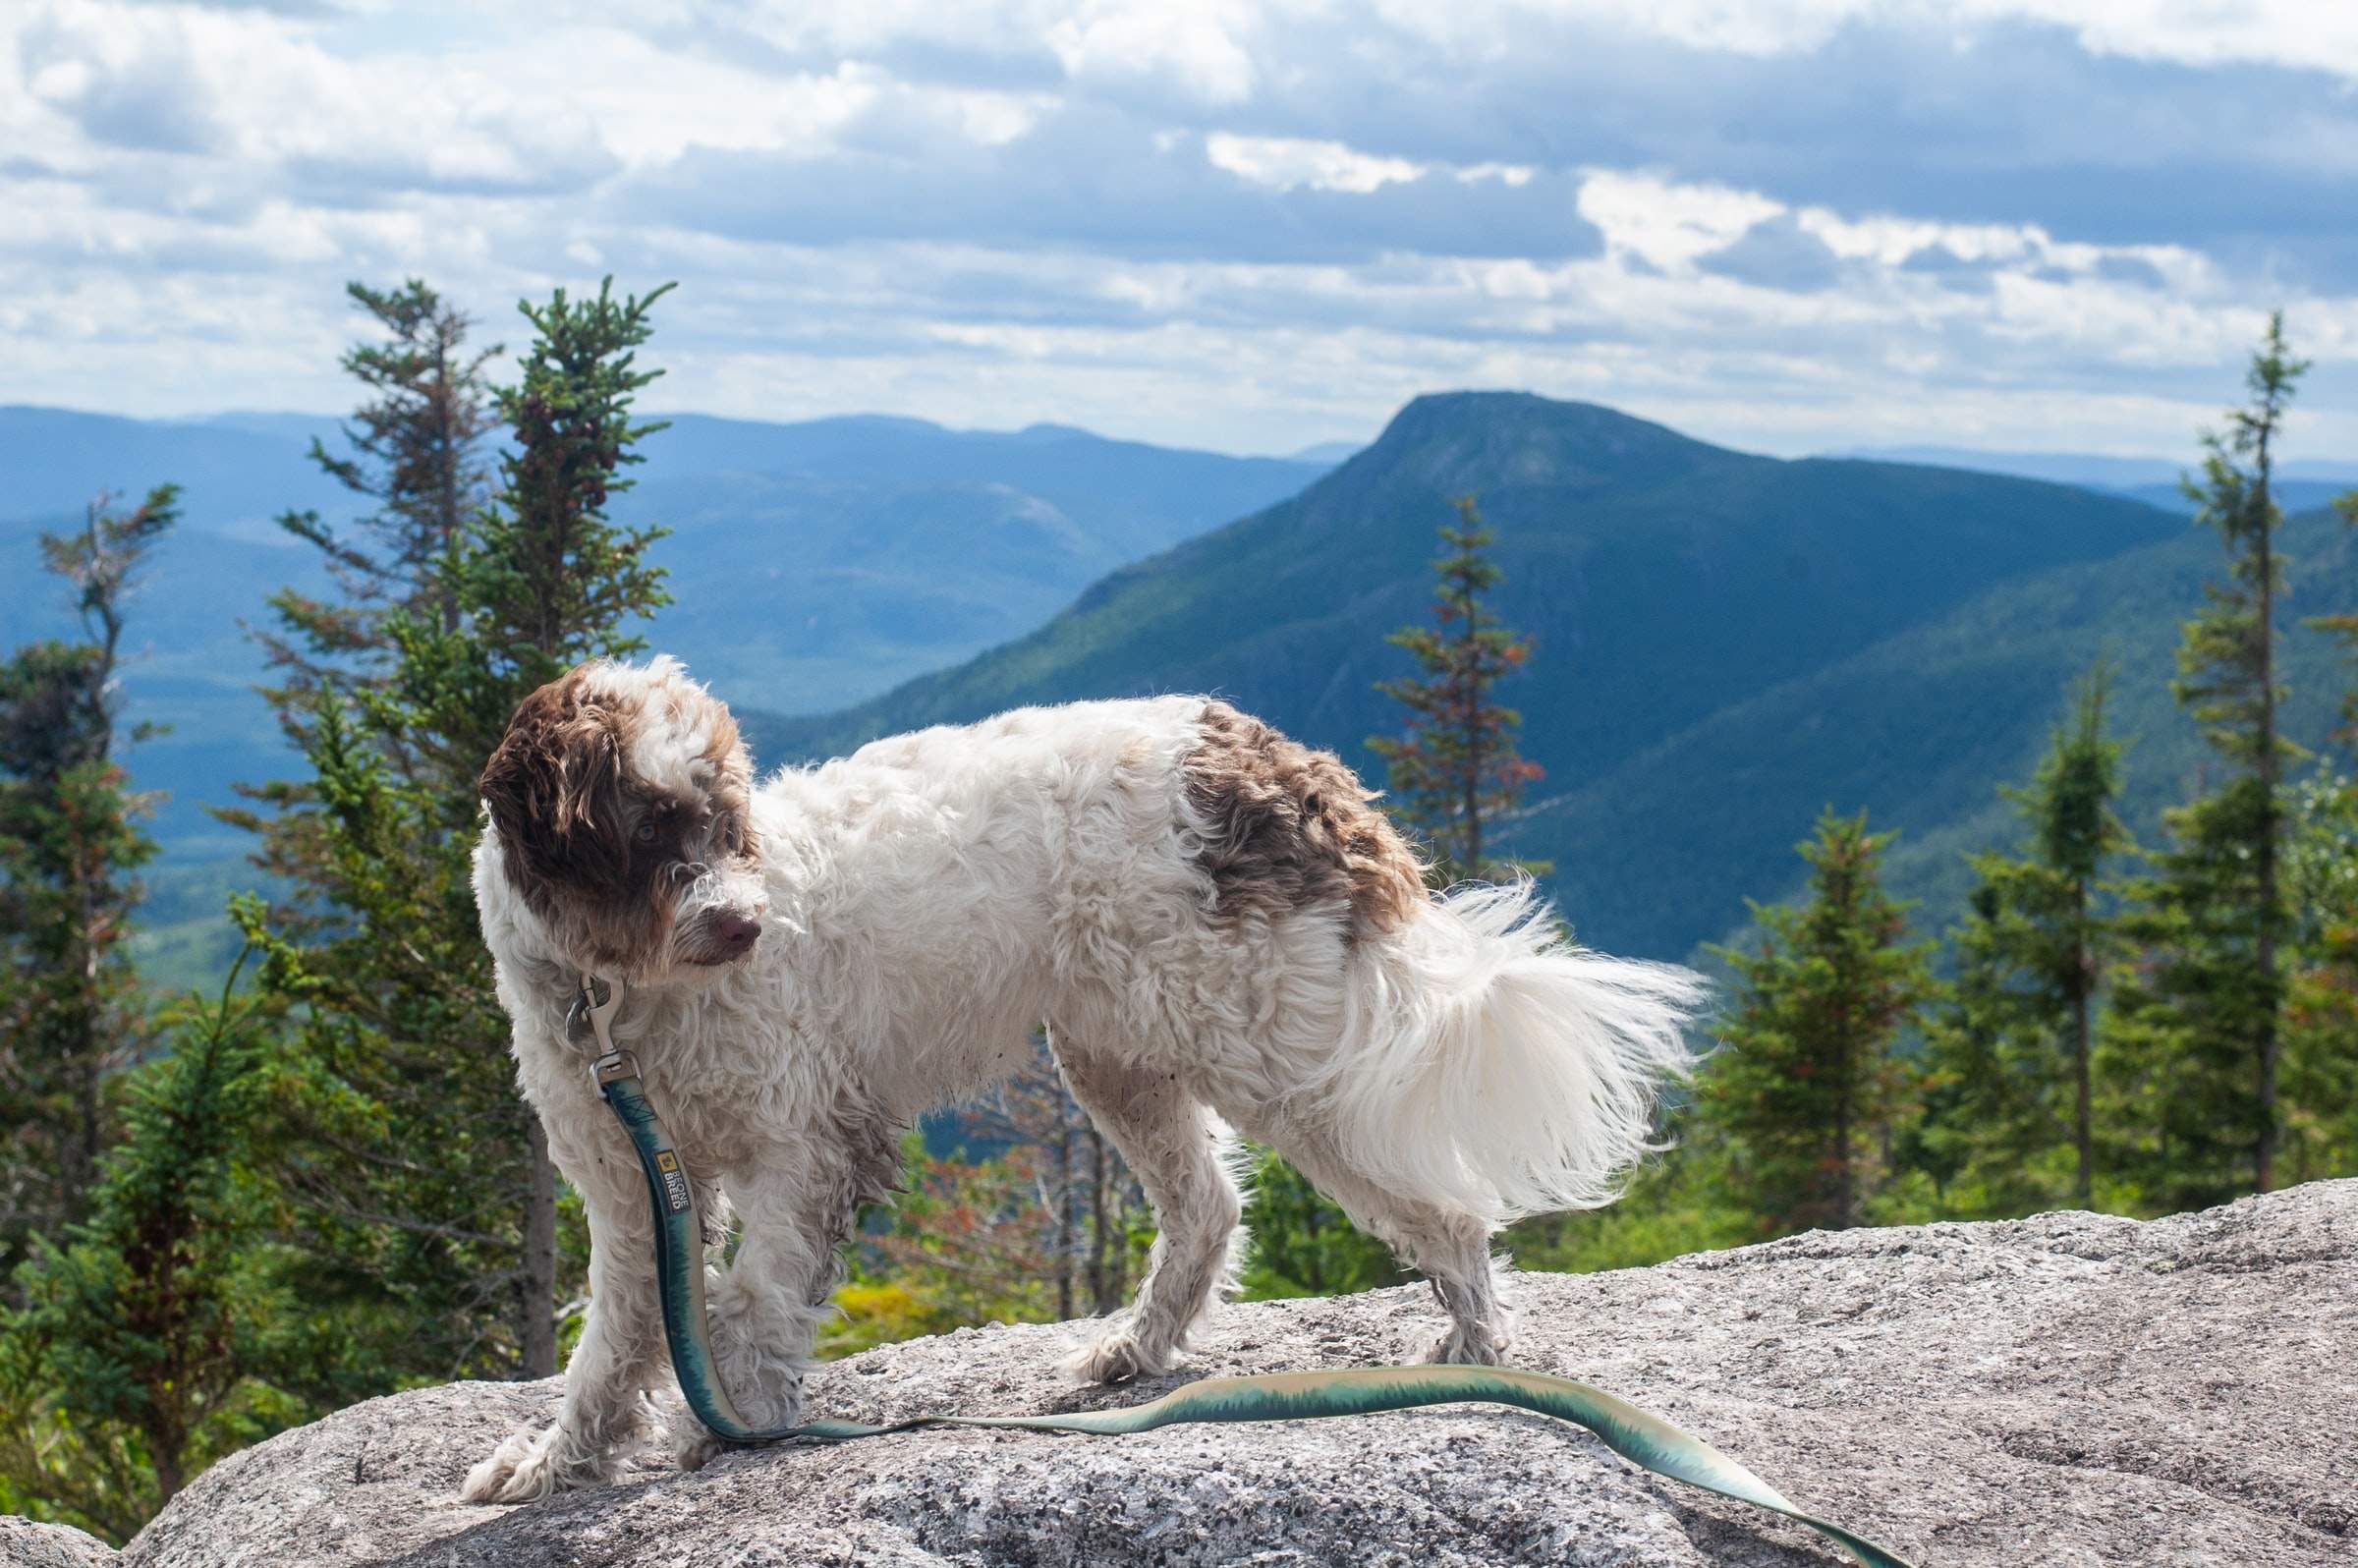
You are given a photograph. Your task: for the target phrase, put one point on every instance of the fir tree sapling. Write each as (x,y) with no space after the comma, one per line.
(2012,1059)
(1806,1097)
(1456,770)
(151,1332)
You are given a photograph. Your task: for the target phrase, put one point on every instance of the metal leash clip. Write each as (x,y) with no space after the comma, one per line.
(592,1013)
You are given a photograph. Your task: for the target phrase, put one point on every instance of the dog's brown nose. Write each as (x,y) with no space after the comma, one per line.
(733,934)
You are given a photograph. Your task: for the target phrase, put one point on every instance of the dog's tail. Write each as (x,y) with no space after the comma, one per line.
(1492,1065)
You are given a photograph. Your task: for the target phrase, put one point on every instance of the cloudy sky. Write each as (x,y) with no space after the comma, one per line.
(1791,225)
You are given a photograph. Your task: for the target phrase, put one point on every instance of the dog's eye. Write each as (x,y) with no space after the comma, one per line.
(647,831)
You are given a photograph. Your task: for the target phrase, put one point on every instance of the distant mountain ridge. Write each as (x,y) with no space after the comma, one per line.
(812,563)
(2103,470)
(1722,639)
(1726,642)
(2302,484)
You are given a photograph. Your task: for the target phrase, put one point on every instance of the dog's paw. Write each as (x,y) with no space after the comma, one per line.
(692,1445)
(1468,1346)
(687,1441)
(519,1471)
(1117,1357)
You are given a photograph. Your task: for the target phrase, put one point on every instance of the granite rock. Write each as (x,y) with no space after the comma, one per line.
(2070,1392)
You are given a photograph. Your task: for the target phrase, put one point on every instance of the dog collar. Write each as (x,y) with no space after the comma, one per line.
(589,1024)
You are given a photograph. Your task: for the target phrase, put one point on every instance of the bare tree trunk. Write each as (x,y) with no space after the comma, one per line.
(2082,1047)
(1064,1213)
(165,1458)
(1845,1178)
(88,1067)
(1102,1299)
(2271,1045)
(1119,1268)
(82,1149)
(539,1311)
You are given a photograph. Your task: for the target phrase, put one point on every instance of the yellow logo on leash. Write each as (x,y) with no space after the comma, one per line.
(675,1184)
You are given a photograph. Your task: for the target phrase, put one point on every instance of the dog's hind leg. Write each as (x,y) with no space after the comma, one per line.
(1178,1150)
(1449,1247)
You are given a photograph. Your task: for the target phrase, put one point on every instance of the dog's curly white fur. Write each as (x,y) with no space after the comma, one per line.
(1214,925)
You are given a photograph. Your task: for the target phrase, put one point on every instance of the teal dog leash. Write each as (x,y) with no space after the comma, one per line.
(1642,1439)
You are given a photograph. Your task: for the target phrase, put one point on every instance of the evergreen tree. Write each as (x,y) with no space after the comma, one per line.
(142,1349)
(1457,769)
(549,580)
(423,1177)
(1302,1244)
(2321,1016)
(2012,1062)
(416,455)
(2205,1020)
(2345,627)
(69,846)
(1453,774)
(2321,998)
(1805,1097)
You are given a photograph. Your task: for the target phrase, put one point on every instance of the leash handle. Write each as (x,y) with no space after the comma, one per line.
(1643,1439)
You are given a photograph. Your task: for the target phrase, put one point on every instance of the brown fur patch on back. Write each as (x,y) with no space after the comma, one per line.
(1286,827)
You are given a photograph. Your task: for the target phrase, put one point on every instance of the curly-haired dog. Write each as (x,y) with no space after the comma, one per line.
(1215,926)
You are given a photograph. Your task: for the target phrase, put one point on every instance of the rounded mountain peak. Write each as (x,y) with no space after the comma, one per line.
(1457,441)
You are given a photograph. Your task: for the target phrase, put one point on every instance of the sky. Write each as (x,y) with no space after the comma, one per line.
(1785,225)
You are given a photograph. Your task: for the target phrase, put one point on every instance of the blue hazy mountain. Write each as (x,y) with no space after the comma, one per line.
(814,564)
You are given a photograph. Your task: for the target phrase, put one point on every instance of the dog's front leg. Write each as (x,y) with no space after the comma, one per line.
(796,1209)
(620,1354)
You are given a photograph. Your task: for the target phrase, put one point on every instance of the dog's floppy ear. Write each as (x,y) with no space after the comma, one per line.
(554,790)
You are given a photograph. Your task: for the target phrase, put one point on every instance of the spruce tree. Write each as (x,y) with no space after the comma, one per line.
(425,1178)
(415,455)
(1805,1097)
(2345,629)
(2322,993)
(71,845)
(1454,772)
(548,580)
(2205,1020)
(2320,1079)
(2012,1061)
(148,1333)
(1457,770)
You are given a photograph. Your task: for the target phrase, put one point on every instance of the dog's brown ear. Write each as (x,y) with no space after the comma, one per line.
(554,789)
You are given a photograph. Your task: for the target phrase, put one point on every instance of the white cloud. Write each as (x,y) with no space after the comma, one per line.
(1020,209)
(2303,35)
(1666,223)
(1191,45)
(1288,162)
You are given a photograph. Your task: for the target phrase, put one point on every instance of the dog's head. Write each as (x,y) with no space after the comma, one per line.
(620,800)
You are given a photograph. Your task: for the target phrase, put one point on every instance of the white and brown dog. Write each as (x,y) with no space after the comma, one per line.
(1217,928)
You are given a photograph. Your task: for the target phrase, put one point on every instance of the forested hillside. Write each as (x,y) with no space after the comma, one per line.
(1712,629)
